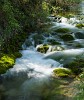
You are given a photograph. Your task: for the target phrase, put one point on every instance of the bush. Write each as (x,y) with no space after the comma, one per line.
(62,72)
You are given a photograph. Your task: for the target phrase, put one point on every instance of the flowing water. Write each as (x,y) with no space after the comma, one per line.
(32,72)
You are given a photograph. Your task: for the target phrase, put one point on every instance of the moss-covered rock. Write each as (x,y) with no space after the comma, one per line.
(62,72)
(80,25)
(67,37)
(6,62)
(62,30)
(53,42)
(43,48)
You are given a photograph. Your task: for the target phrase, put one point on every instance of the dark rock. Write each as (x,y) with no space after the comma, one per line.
(67,37)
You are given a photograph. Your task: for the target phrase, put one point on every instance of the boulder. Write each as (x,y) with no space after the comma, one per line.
(67,37)
(43,48)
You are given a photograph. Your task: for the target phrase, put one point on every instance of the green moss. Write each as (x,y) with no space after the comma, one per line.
(80,25)
(6,62)
(62,72)
(63,30)
(67,37)
(43,48)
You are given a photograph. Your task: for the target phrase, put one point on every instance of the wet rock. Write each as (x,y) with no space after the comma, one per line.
(67,37)
(43,48)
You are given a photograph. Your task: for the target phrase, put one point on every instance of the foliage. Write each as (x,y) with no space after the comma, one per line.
(19,17)
(62,72)
(63,6)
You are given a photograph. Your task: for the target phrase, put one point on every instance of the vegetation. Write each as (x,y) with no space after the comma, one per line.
(63,6)
(7,61)
(80,25)
(80,87)
(43,48)
(62,72)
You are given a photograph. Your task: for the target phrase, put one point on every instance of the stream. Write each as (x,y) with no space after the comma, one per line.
(31,76)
